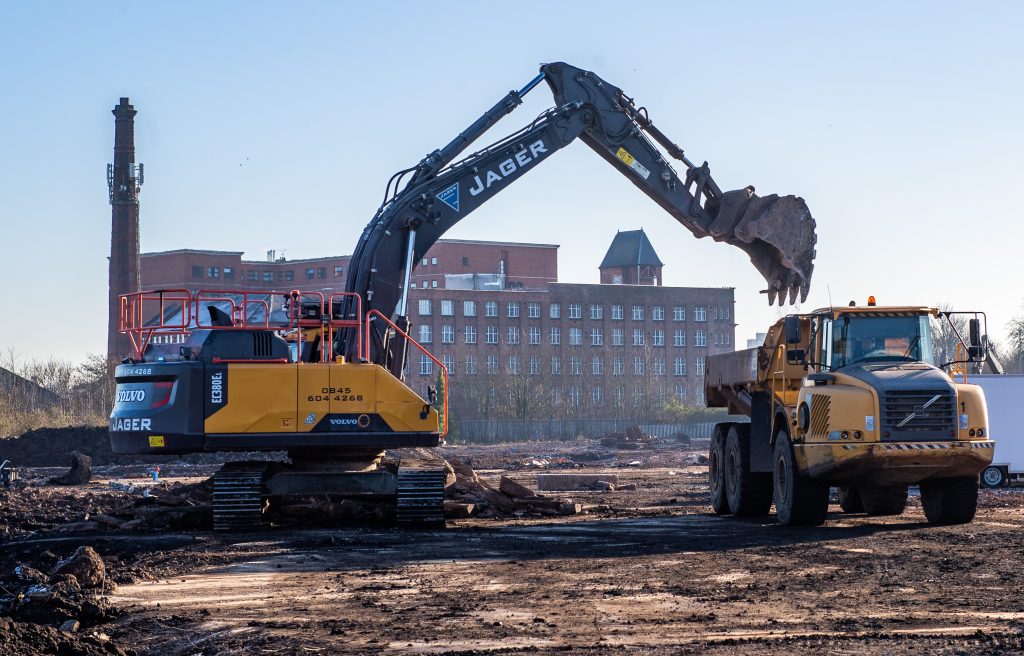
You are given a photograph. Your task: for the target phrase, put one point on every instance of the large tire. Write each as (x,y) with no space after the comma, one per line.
(799,500)
(849,499)
(880,500)
(716,472)
(950,500)
(993,477)
(749,493)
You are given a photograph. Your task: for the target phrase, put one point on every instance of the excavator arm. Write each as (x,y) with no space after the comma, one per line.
(776,232)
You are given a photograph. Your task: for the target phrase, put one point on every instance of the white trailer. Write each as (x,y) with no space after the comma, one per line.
(1004,395)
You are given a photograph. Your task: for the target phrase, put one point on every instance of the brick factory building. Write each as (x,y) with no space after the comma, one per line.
(495,314)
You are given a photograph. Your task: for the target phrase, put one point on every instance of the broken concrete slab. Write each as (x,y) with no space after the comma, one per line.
(515,490)
(559,482)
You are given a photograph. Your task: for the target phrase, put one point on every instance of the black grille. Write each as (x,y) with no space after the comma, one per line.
(918,414)
(261,345)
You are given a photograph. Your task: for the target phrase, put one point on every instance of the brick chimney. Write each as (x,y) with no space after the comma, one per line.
(124,178)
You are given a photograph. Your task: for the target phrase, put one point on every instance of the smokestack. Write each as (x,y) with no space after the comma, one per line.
(124,178)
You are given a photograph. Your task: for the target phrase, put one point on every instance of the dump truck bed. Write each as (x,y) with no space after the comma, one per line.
(729,380)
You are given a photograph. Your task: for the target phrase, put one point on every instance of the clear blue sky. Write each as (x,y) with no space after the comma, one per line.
(276,125)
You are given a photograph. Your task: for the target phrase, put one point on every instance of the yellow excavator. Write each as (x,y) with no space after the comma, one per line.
(320,376)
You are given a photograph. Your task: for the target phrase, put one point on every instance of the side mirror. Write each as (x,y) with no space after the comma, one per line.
(792,329)
(975,350)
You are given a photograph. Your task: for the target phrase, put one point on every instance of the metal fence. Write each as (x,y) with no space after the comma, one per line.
(488,431)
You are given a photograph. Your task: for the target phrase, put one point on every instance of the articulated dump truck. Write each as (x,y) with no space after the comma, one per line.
(851,398)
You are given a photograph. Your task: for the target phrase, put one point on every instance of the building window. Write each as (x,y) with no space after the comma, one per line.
(447,334)
(213,272)
(700,338)
(469,308)
(252,274)
(447,308)
(425,334)
(470,364)
(449,363)
(678,313)
(425,310)
(575,366)
(638,337)
(490,308)
(426,261)
(492,364)
(513,310)
(597,365)
(229,273)
(491,335)
(596,312)
(617,368)
(433,260)
(268,276)
(534,365)
(556,365)
(681,392)
(679,337)
(513,364)
(289,275)
(533,310)
(618,394)
(426,366)
(197,272)
(575,337)
(556,335)
(638,313)
(280,275)
(338,271)
(679,367)
(310,273)
(433,283)
(617,312)
(555,310)
(699,364)
(659,366)
(700,313)
(465,261)
(513,335)
(469,333)
(596,337)
(658,312)
(321,272)
(726,310)
(638,366)
(534,335)
(658,337)
(596,398)
(574,395)
(575,311)
(618,337)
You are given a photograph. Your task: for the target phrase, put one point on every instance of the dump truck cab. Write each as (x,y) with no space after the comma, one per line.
(851,397)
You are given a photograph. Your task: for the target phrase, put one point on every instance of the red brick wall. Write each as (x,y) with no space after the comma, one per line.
(533,266)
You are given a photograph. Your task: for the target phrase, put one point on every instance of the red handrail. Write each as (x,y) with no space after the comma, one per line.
(444,370)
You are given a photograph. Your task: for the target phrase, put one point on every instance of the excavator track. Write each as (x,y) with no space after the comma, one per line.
(421,495)
(238,497)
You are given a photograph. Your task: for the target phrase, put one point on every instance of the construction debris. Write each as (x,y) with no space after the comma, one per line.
(631,440)
(511,498)
(80,472)
(562,482)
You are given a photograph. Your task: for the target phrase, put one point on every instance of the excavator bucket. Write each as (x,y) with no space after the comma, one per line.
(777,232)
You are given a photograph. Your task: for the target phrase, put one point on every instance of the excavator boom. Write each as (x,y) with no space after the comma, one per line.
(776,232)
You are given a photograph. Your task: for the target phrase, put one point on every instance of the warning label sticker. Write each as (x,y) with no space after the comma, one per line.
(631,162)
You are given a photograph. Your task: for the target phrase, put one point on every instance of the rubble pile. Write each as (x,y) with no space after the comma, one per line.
(468,496)
(632,439)
(52,605)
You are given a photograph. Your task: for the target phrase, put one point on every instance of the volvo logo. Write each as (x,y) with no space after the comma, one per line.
(131,395)
(919,408)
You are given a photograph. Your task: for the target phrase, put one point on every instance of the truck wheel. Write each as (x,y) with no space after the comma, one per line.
(950,500)
(849,499)
(799,500)
(993,477)
(879,500)
(716,473)
(749,493)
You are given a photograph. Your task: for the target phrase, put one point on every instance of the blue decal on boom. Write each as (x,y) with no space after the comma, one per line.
(450,196)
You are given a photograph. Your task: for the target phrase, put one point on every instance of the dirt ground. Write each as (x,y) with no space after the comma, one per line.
(644,571)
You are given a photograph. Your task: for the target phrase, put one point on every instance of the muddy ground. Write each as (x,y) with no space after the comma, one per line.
(645,571)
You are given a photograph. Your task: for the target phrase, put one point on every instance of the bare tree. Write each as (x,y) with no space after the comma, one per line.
(944,335)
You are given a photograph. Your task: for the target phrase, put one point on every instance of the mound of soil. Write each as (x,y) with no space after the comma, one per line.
(50,447)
